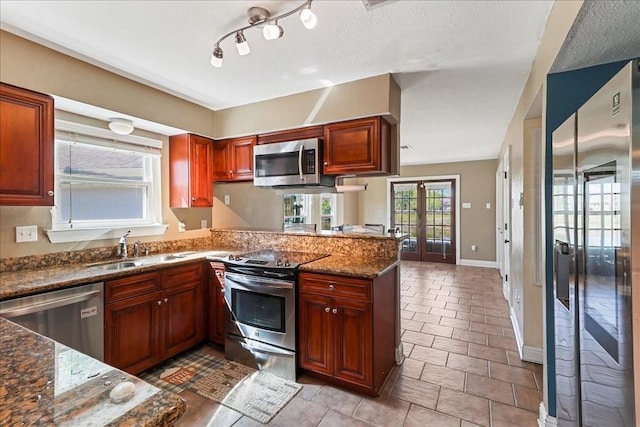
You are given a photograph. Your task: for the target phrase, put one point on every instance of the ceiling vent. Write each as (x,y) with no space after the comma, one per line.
(374,4)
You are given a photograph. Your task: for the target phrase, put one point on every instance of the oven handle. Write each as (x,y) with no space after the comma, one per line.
(256,346)
(263,281)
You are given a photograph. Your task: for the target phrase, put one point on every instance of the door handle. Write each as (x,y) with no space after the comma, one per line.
(506,241)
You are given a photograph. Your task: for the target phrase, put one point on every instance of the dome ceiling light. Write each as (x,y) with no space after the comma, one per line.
(121,126)
(271,30)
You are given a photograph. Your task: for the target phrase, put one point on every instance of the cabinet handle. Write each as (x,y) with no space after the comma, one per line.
(326,163)
(334,311)
(332,287)
(327,309)
(159,302)
(230,172)
(166,300)
(193,199)
(50,193)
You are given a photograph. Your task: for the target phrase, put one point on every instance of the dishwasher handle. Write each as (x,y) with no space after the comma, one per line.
(8,313)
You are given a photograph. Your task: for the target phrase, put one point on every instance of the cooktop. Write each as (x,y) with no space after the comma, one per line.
(274,259)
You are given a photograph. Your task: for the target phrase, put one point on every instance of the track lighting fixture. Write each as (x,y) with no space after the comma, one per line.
(261,17)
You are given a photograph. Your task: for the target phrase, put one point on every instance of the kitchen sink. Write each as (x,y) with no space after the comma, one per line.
(119,265)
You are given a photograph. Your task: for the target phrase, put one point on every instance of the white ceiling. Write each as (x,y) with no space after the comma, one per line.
(461,65)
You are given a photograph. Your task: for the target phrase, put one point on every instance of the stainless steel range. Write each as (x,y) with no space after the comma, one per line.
(260,290)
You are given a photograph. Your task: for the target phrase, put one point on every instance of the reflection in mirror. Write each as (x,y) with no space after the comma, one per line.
(325,210)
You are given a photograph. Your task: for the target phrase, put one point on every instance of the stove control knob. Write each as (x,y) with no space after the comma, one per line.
(279,263)
(287,263)
(231,257)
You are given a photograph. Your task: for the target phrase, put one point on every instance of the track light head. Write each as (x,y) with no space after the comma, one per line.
(272,31)
(216,57)
(308,18)
(241,44)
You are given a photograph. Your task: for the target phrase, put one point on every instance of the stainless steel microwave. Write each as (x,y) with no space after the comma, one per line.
(292,163)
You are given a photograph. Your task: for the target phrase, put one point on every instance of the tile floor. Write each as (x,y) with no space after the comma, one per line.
(461,368)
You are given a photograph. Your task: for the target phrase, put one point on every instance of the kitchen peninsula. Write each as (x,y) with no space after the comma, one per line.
(361,259)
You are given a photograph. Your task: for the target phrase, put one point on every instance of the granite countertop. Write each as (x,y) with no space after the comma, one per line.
(47,383)
(32,281)
(349,266)
(37,280)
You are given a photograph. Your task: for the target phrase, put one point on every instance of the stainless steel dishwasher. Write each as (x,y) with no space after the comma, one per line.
(73,317)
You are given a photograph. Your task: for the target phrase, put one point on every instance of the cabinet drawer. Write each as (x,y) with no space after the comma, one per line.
(132,286)
(182,274)
(336,286)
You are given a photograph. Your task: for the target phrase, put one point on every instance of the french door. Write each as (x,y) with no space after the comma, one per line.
(425,210)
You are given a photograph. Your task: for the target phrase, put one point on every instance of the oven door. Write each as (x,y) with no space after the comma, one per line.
(262,309)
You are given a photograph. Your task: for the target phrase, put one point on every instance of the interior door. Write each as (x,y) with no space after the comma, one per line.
(506,230)
(425,211)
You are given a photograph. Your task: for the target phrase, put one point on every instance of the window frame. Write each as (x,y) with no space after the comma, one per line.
(83,230)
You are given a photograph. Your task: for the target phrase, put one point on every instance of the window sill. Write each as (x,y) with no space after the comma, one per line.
(87,234)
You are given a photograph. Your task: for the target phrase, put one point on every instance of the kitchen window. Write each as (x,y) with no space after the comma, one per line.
(105,185)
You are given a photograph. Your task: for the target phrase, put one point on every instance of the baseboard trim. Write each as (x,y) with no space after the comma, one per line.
(532,354)
(478,263)
(527,353)
(516,331)
(544,419)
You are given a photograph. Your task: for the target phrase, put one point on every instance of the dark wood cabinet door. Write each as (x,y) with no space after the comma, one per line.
(221,160)
(241,167)
(352,334)
(190,171)
(315,334)
(26,147)
(132,341)
(182,312)
(357,147)
(201,171)
(218,311)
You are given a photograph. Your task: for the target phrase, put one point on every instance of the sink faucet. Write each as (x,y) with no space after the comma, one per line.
(122,245)
(136,249)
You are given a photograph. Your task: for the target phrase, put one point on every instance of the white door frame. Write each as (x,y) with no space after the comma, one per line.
(506,207)
(499,222)
(430,178)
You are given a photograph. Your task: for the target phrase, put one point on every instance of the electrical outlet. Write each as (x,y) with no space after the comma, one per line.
(27,233)
(181,227)
(203,223)
(227,199)
(473,248)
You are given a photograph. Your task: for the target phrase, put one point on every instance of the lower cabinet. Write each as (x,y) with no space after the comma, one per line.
(346,329)
(218,311)
(151,317)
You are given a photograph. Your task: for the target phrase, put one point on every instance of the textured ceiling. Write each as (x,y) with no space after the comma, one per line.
(603,32)
(461,65)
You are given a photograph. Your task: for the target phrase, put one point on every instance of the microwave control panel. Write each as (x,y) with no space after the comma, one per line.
(309,162)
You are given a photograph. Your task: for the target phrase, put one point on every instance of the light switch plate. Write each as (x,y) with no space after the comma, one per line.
(28,233)
(466,205)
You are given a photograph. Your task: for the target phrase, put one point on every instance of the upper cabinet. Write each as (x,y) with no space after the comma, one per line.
(190,171)
(26,147)
(360,147)
(233,159)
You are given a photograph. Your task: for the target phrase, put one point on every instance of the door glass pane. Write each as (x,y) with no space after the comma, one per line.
(406,215)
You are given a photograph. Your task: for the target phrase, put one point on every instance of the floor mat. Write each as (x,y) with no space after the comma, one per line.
(180,372)
(256,394)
